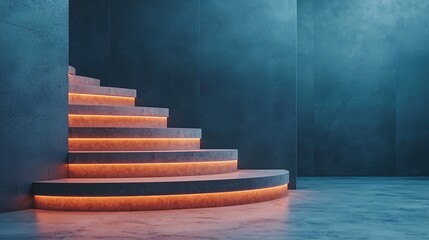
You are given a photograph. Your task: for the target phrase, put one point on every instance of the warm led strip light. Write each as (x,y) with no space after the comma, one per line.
(158,202)
(99,95)
(133,139)
(81,120)
(121,170)
(114,116)
(132,144)
(94,99)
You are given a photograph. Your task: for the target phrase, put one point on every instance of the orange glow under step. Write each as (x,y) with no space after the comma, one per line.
(79,120)
(124,170)
(92,99)
(159,202)
(133,144)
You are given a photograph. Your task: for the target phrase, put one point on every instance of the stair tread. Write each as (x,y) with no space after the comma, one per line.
(118,110)
(149,186)
(240,174)
(101,90)
(166,156)
(92,132)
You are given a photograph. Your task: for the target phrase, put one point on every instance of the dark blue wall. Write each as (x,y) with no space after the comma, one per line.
(228,67)
(154,49)
(248,80)
(89,37)
(33,97)
(362,92)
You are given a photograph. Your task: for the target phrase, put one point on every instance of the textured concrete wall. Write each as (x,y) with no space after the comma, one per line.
(248,80)
(33,97)
(226,66)
(362,82)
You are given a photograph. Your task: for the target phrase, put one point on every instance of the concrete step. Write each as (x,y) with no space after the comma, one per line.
(151,163)
(100,100)
(133,170)
(72,70)
(98,90)
(78,132)
(128,194)
(118,110)
(133,139)
(82,80)
(117,116)
(115,121)
(108,157)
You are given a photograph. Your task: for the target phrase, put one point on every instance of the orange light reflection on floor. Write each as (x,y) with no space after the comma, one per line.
(151,169)
(80,120)
(93,99)
(132,144)
(158,202)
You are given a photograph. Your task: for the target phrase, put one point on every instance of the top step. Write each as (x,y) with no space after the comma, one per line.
(72,70)
(81,80)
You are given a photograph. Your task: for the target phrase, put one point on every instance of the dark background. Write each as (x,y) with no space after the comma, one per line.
(33,97)
(228,67)
(363,87)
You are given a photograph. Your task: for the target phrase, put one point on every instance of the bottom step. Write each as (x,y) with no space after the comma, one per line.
(131,194)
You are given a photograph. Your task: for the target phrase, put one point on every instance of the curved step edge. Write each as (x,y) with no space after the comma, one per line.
(237,181)
(252,194)
(93,157)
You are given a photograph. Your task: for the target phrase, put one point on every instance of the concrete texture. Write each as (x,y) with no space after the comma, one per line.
(82,80)
(72,70)
(134,132)
(225,66)
(127,170)
(203,155)
(323,208)
(362,74)
(33,97)
(248,80)
(111,91)
(236,181)
(117,121)
(118,110)
(133,144)
(101,100)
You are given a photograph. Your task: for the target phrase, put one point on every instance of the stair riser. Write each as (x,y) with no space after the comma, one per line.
(130,144)
(108,187)
(88,99)
(81,80)
(136,203)
(117,121)
(151,157)
(151,169)
(97,90)
(115,110)
(134,133)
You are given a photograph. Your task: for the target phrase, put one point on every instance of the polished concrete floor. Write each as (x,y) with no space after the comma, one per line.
(323,208)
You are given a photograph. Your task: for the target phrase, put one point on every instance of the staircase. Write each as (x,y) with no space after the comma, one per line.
(124,158)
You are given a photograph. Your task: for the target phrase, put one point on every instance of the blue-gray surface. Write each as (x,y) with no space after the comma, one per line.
(322,208)
(33,96)
(228,67)
(363,69)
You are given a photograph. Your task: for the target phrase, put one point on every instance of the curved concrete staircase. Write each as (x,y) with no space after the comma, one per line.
(124,158)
